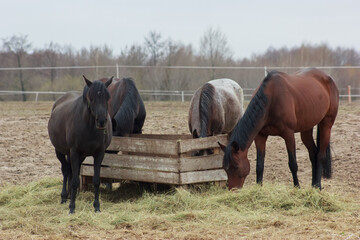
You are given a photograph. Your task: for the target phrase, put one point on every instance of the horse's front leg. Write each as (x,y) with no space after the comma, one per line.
(289,138)
(76,160)
(98,157)
(260,142)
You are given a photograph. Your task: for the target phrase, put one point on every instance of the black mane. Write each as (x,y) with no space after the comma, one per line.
(247,124)
(205,109)
(127,112)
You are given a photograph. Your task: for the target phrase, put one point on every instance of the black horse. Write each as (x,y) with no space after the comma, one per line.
(80,126)
(126,108)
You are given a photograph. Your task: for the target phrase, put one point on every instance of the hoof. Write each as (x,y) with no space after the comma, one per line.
(71,211)
(97,210)
(63,201)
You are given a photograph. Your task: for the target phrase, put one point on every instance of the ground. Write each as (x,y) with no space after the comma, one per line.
(27,154)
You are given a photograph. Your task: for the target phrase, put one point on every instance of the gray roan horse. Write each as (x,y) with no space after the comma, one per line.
(80,126)
(215,108)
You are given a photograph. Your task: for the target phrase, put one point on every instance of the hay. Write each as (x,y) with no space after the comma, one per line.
(35,210)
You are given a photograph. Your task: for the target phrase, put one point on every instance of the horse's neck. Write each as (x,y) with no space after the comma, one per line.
(247,129)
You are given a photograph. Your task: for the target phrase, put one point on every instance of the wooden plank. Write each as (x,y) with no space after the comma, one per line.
(143,145)
(203,176)
(133,175)
(214,161)
(162,136)
(138,162)
(187,145)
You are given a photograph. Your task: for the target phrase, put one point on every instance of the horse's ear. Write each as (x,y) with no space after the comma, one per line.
(108,82)
(87,81)
(235,146)
(222,147)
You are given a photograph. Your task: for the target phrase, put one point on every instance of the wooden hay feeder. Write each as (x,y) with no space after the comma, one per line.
(159,158)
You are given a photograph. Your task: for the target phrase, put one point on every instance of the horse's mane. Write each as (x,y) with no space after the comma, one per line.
(247,124)
(127,112)
(205,107)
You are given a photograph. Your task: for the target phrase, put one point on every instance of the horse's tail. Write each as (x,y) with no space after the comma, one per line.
(326,164)
(205,108)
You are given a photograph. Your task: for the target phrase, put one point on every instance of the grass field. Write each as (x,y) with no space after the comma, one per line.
(30,186)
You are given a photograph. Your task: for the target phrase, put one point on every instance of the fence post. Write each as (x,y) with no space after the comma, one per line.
(265,70)
(182,96)
(117,70)
(349,93)
(36,97)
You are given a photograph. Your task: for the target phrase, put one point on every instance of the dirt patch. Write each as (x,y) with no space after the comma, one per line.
(27,154)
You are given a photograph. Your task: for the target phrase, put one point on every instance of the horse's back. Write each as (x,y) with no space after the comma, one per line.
(227,105)
(231,98)
(305,98)
(61,113)
(66,99)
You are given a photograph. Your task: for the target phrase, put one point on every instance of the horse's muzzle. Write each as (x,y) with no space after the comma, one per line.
(101,124)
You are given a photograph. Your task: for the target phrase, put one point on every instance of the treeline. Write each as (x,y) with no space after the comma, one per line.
(153,63)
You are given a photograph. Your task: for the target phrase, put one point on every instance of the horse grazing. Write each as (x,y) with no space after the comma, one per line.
(282,105)
(215,108)
(126,108)
(80,126)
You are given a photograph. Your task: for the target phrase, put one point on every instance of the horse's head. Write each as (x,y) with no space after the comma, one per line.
(96,97)
(236,164)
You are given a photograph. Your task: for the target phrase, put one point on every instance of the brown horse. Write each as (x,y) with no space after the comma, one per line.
(215,108)
(282,105)
(80,126)
(126,108)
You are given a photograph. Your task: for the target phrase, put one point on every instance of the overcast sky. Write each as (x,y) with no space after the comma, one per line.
(250,26)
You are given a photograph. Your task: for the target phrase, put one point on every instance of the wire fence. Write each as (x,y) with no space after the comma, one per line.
(157,95)
(346,94)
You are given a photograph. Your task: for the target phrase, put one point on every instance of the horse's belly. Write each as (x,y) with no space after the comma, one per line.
(313,116)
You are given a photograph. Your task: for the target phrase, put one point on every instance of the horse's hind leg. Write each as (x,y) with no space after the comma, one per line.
(65,169)
(324,155)
(308,140)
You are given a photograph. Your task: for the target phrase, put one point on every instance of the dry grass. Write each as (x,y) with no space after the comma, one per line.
(202,212)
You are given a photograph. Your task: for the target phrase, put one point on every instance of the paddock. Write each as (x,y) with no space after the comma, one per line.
(28,155)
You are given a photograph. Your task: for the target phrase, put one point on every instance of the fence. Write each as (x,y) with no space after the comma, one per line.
(158,95)
(346,93)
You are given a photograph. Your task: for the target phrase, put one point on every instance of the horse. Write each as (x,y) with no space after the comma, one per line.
(126,108)
(281,106)
(80,126)
(215,108)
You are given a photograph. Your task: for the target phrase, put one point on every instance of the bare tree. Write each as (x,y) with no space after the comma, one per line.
(154,45)
(18,46)
(51,54)
(214,48)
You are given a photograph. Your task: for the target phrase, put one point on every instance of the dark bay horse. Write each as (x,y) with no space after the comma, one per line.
(126,108)
(215,108)
(282,105)
(80,126)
